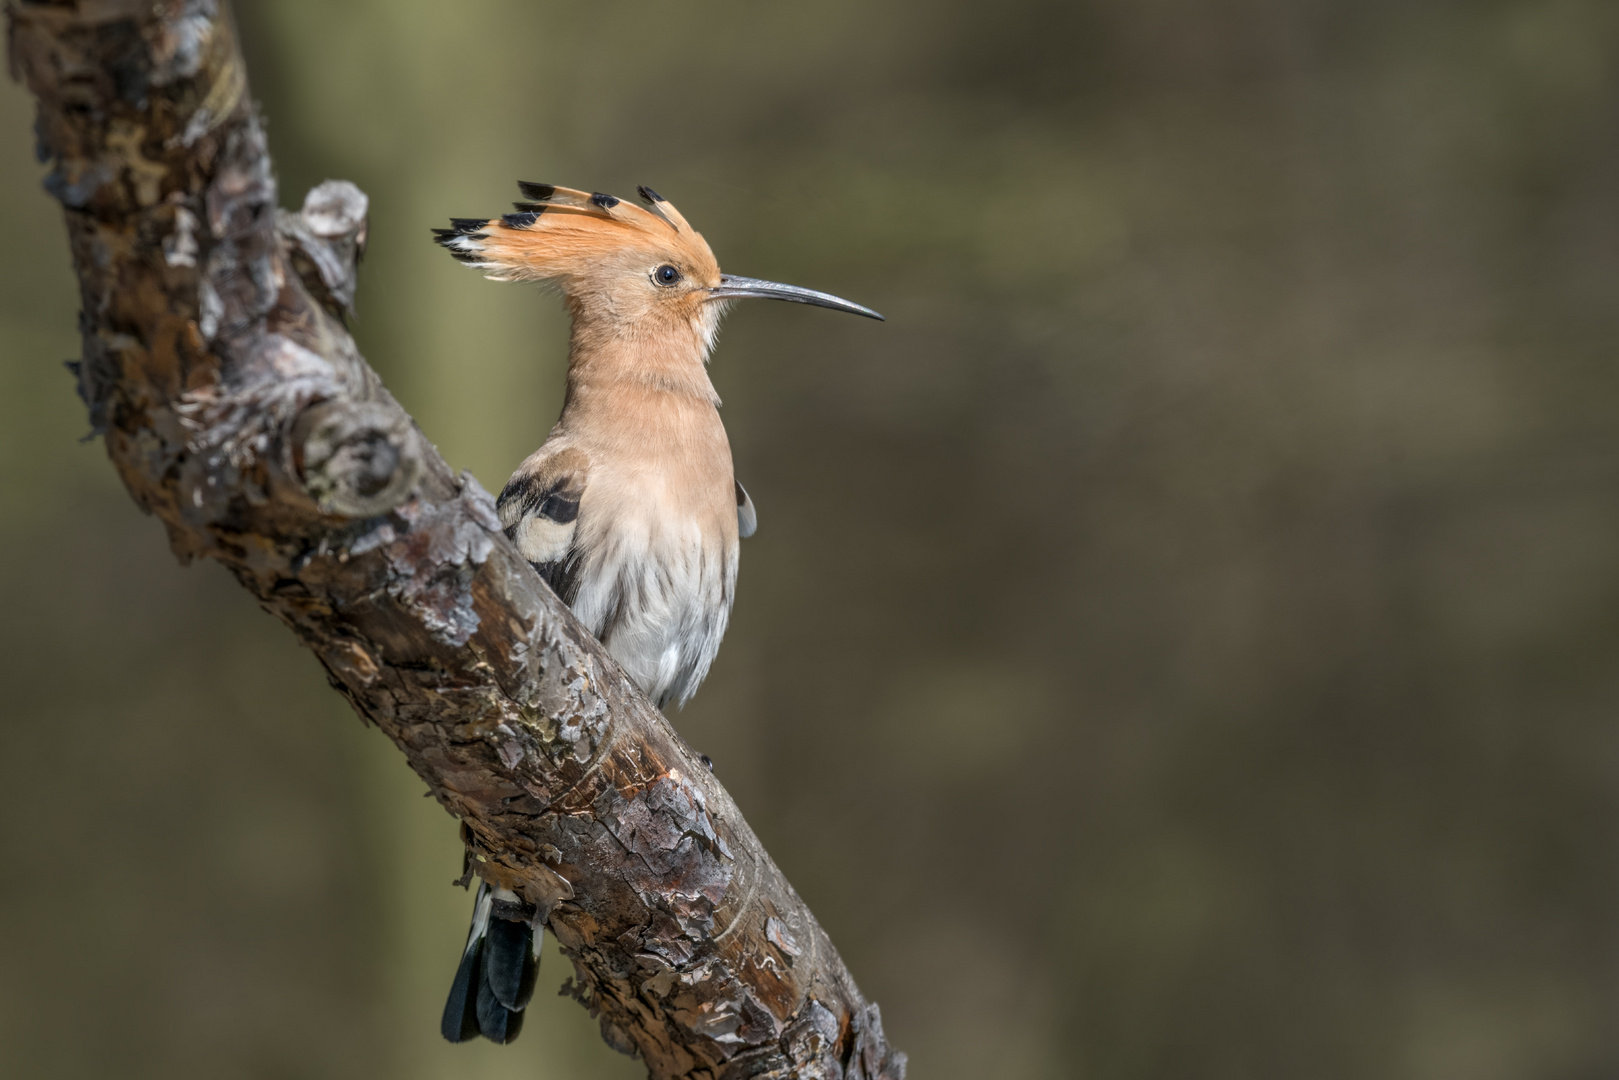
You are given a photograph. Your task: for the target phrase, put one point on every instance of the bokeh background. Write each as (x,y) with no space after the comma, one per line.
(1180,643)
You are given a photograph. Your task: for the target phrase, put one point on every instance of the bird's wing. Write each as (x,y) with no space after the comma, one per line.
(747,518)
(539,508)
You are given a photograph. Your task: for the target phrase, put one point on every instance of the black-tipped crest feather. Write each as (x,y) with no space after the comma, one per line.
(656,203)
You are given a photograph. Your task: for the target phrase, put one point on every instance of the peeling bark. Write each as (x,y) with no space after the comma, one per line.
(237,410)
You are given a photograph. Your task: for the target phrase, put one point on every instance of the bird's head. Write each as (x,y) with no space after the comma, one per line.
(626,272)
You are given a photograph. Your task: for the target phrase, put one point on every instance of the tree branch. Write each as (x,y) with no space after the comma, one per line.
(236,408)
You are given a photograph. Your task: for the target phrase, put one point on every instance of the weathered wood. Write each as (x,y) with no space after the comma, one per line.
(238,411)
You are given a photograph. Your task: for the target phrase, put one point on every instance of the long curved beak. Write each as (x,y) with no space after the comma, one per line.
(732,287)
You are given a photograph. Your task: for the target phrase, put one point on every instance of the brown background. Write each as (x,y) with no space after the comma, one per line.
(1179,643)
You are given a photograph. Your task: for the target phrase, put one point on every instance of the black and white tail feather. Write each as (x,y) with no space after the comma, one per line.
(498,967)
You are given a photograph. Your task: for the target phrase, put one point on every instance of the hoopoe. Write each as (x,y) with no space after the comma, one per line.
(630,510)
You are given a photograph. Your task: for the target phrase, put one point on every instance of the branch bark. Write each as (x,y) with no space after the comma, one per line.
(237,410)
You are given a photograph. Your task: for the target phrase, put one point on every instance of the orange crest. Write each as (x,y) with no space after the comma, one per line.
(576,239)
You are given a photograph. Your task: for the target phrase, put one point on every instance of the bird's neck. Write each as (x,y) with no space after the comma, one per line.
(670,362)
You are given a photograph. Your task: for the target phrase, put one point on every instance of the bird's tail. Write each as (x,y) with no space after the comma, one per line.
(496,977)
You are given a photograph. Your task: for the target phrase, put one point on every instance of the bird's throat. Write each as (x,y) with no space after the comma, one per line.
(665,363)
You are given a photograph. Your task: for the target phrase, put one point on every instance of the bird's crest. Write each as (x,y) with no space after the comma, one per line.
(559,233)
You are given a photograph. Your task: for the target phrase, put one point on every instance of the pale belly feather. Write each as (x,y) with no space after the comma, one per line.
(655,586)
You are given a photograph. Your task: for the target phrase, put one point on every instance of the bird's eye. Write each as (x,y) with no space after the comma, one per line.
(666,275)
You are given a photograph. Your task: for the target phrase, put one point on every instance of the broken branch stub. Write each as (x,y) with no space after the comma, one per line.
(327,238)
(237,409)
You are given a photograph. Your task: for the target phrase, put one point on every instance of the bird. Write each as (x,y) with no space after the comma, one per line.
(630,510)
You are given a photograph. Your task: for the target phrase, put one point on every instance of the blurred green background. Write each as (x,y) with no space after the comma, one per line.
(1179,643)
